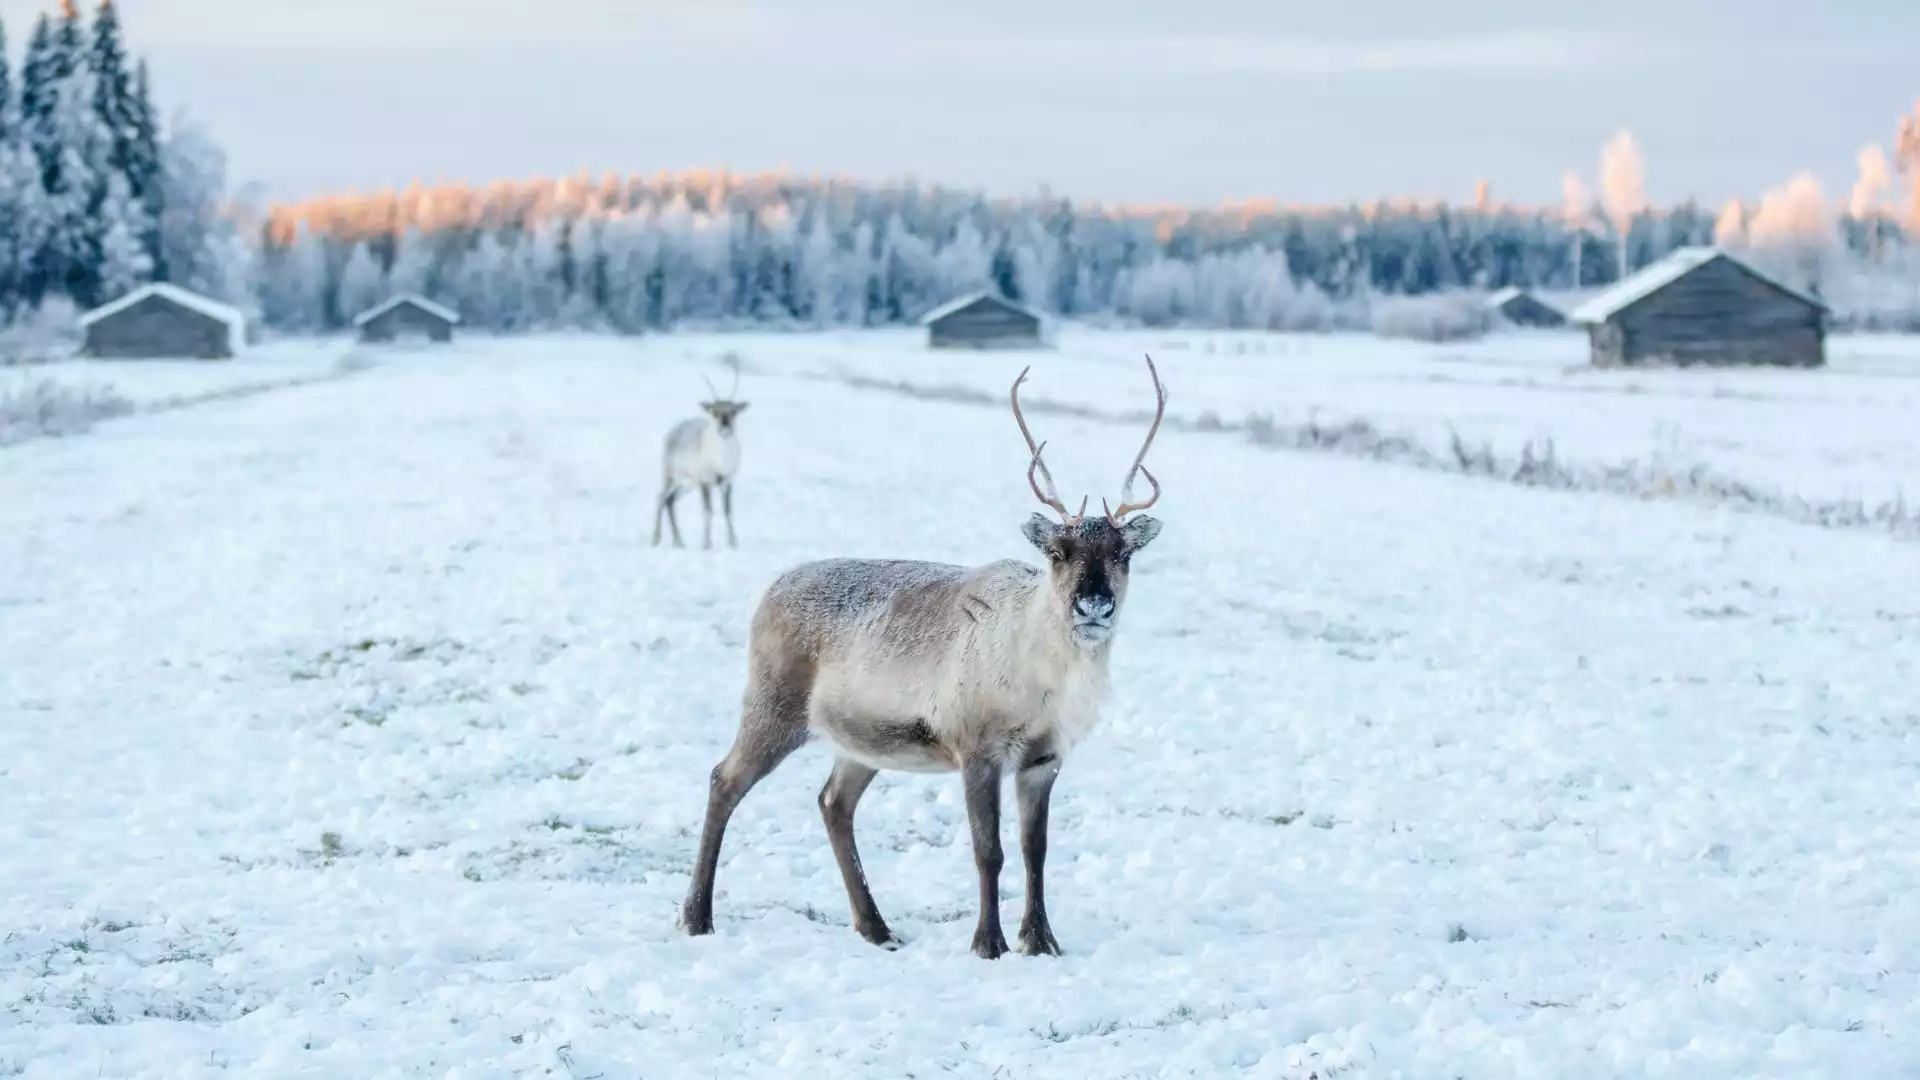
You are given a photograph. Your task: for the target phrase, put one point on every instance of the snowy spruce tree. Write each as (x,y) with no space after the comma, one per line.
(122,104)
(74,153)
(124,263)
(23,205)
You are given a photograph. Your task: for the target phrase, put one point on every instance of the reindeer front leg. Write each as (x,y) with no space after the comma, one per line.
(1033,785)
(981,777)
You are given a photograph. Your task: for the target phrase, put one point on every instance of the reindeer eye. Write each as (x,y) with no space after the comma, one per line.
(1055,554)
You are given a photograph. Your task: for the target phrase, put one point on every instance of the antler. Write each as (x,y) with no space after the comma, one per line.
(714,395)
(1126,489)
(1049,498)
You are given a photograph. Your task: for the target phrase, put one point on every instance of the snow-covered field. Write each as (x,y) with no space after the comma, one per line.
(1845,432)
(353,730)
(149,383)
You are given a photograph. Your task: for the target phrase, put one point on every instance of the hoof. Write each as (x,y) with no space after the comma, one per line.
(695,925)
(881,936)
(989,944)
(1038,941)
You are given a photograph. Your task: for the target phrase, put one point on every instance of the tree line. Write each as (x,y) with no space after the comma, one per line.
(94,198)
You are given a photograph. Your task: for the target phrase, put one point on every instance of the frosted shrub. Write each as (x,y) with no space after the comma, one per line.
(1435,317)
(47,407)
(41,335)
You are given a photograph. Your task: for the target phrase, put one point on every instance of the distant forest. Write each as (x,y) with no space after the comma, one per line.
(95,199)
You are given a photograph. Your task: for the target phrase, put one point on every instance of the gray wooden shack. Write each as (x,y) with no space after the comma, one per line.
(163,321)
(405,316)
(1522,308)
(983,320)
(1700,305)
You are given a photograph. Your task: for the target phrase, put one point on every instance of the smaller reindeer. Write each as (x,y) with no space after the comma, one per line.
(702,452)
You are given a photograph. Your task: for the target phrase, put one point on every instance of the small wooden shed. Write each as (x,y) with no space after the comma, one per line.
(1700,305)
(407,315)
(983,320)
(163,321)
(1521,308)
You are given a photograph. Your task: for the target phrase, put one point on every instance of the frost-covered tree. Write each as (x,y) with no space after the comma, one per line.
(1793,232)
(75,179)
(23,226)
(292,282)
(1730,228)
(123,260)
(1576,207)
(1906,157)
(1623,189)
(194,237)
(362,285)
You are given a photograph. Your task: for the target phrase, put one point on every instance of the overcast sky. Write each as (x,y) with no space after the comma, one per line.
(1192,101)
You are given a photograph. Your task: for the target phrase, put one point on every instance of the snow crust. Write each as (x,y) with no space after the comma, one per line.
(355,730)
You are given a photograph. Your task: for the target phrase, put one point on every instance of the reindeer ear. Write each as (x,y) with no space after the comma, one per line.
(1139,532)
(1038,530)
(739,407)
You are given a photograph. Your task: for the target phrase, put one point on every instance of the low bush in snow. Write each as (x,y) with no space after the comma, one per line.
(42,335)
(1436,317)
(1537,464)
(49,407)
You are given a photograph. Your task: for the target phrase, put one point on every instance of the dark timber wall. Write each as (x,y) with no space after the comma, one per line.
(157,328)
(1718,313)
(987,323)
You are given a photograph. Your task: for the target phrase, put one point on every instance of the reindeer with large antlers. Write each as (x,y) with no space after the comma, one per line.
(926,667)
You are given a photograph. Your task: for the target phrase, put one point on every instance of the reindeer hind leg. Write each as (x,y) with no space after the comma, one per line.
(773,724)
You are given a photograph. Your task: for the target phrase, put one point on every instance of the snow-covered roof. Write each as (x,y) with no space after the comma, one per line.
(233,317)
(1511,292)
(1658,275)
(968,300)
(436,310)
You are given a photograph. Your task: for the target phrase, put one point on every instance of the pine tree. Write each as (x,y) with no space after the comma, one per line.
(362,285)
(75,186)
(36,85)
(23,227)
(145,170)
(123,260)
(9,116)
(113,91)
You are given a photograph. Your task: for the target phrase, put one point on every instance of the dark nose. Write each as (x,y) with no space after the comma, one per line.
(1093,607)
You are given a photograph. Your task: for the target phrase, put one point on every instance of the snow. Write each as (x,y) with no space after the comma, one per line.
(1845,432)
(235,320)
(1659,274)
(438,311)
(155,384)
(961,303)
(354,730)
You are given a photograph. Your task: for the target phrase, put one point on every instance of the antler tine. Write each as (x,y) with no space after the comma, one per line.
(1037,468)
(713,395)
(1126,488)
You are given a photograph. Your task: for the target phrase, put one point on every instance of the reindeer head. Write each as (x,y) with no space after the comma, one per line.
(1088,559)
(724,409)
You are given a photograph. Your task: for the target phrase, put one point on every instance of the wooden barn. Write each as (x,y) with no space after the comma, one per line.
(1700,305)
(162,321)
(1522,308)
(406,316)
(983,320)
